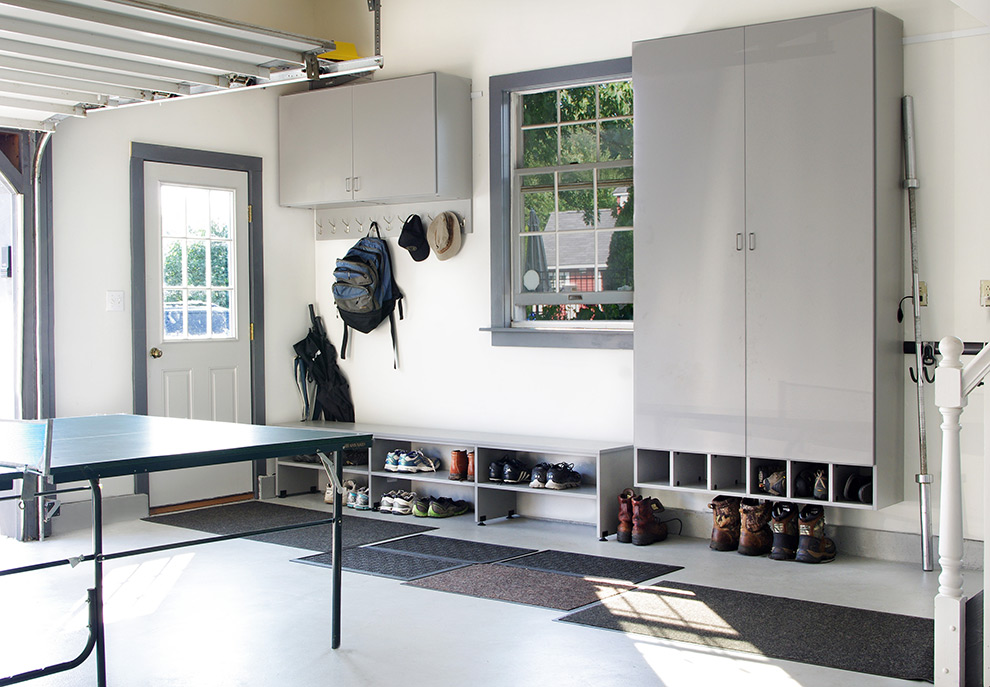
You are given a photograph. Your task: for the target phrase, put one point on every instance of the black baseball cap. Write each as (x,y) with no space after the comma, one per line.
(413,238)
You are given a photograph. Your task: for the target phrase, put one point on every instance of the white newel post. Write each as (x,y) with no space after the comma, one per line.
(950,605)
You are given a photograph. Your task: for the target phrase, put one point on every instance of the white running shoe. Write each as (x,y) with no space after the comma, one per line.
(403,503)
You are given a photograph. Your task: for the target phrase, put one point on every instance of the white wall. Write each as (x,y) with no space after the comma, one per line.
(450,376)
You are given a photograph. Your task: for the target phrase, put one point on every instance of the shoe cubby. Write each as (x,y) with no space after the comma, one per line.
(688,470)
(605,468)
(728,474)
(760,468)
(801,482)
(853,485)
(652,468)
(740,476)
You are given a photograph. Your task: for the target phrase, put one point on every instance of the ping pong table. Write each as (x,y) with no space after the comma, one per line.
(88,449)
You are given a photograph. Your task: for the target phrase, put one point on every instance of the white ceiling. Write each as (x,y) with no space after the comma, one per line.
(60,58)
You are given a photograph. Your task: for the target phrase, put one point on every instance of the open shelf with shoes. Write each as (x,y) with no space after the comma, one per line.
(581,478)
(846,486)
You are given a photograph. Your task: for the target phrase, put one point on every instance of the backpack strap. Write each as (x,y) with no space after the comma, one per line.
(343,344)
(300,375)
(395,346)
(374,227)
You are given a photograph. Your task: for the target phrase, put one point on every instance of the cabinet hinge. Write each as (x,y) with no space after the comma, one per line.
(252,331)
(250,216)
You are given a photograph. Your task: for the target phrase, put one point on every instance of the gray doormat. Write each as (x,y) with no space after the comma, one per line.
(885,644)
(583,565)
(256,515)
(371,560)
(456,549)
(521,585)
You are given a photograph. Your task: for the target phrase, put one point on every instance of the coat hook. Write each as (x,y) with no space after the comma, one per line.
(333,227)
(360,224)
(388,222)
(347,227)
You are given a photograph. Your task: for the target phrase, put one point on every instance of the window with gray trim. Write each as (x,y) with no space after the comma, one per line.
(562,200)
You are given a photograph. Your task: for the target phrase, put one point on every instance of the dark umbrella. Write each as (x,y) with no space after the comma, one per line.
(319,358)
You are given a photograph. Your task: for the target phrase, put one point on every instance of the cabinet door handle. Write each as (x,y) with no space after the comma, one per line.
(347,184)
(739,241)
(752,241)
(357,184)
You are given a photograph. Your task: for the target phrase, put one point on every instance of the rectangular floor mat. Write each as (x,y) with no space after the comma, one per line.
(371,560)
(583,565)
(853,639)
(256,515)
(455,549)
(521,585)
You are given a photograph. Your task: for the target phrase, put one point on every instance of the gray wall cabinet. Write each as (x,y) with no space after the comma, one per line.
(397,140)
(769,255)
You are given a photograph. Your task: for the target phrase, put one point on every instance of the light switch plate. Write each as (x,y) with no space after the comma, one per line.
(985,293)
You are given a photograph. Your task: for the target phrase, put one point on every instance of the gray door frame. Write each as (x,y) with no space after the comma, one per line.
(146,152)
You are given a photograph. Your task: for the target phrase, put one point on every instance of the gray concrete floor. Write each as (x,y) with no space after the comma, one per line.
(241,613)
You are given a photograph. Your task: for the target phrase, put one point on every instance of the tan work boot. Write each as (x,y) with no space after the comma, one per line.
(813,545)
(624,532)
(725,529)
(755,535)
(646,526)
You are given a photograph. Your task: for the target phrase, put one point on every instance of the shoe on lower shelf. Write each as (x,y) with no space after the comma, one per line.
(421,508)
(444,507)
(403,503)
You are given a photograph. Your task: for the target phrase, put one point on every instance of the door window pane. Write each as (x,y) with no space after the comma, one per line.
(198,301)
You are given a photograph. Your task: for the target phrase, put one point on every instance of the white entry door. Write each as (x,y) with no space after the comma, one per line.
(198,324)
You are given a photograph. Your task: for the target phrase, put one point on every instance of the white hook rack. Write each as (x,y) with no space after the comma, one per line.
(347,223)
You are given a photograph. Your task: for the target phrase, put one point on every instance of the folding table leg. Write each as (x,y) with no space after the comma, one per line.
(336,555)
(101,658)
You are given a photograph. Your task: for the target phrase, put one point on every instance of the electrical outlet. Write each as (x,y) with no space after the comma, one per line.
(985,293)
(922,294)
(115,301)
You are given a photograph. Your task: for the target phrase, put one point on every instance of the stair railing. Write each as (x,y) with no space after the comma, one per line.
(953,384)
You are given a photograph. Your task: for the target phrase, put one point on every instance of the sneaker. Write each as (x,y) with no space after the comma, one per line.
(540,476)
(392,460)
(351,496)
(563,476)
(421,508)
(402,504)
(388,498)
(514,472)
(362,500)
(415,461)
(445,508)
(496,470)
(330,493)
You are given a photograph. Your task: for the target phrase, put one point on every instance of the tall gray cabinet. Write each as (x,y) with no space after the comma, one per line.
(769,255)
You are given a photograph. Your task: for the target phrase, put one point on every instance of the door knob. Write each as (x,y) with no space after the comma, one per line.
(155,353)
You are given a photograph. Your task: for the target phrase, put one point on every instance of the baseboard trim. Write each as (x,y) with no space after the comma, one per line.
(203,503)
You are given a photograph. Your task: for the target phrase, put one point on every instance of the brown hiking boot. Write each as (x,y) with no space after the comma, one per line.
(646,525)
(755,535)
(624,532)
(458,465)
(725,532)
(784,523)
(470,465)
(813,545)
